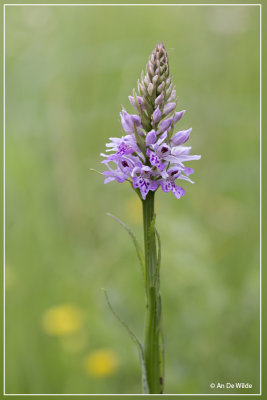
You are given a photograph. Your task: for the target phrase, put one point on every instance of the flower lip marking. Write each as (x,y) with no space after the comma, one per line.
(124,148)
(124,163)
(164,149)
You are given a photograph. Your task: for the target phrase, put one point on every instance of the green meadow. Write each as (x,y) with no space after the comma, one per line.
(68,70)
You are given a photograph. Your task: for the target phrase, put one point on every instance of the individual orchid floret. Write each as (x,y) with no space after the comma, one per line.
(159,152)
(121,146)
(112,175)
(142,180)
(168,184)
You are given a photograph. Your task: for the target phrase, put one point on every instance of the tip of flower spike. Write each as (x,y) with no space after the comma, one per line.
(159,45)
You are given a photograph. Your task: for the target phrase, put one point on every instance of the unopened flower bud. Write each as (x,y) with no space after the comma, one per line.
(168,92)
(168,82)
(159,99)
(140,88)
(140,132)
(151,137)
(177,116)
(156,115)
(155,78)
(136,120)
(173,95)
(168,108)
(140,102)
(150,68)
(129,121)
(150,89)
(165,124)
(161,87)
(162,69)
(147,80)
(180,137)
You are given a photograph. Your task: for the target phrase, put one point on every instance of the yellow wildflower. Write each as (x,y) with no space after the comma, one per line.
(62,320)
(102,362)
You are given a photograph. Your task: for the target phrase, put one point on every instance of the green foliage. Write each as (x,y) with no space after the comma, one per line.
(138,346)
(139,251)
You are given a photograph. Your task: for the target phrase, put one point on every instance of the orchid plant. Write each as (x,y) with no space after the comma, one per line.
(150,156)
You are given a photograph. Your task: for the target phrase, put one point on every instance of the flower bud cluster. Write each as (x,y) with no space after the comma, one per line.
(151,155)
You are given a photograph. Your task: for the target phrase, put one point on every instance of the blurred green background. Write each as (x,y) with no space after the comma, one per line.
(68,69)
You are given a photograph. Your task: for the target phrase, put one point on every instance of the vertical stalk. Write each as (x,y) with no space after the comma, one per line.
(152,345)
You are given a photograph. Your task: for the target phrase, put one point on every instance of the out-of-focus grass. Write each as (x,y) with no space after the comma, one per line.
(68,69)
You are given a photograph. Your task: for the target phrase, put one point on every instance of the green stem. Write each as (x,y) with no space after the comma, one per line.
(152,346)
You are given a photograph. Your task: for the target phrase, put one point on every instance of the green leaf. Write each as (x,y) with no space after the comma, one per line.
(138,249)
(152,227)
(154,234)
(136,342)
(159,252)
(140,142)
(161,359)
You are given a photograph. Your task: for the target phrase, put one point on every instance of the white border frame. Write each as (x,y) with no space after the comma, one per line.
(127,5)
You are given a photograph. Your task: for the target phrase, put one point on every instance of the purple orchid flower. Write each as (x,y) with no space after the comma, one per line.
(151,158)
(142,180)
(129,121)
(168,185)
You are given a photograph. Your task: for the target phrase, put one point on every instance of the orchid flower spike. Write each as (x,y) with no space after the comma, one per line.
(149,141)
